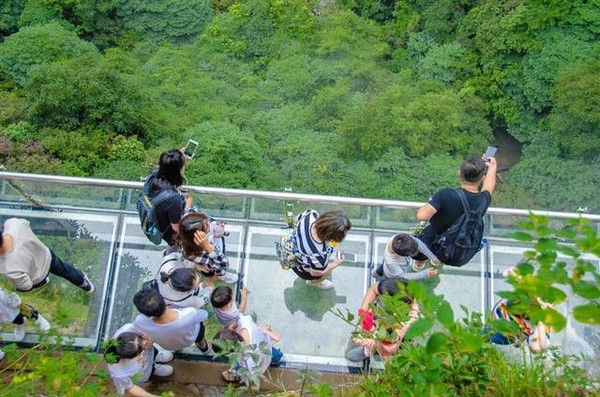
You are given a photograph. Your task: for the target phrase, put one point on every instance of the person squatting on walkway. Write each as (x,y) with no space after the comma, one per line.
(193,237)
(172,328)
(368,345)
(26,262)
(133,359)
(316,237)
(397,258)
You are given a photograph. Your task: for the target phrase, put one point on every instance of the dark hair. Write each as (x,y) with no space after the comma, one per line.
(225,334)
(169,167)
(188,225)
(126,345)
(149,302)
(405,245)
(332,226)
(391,286)
(472,169)
(181,279)
(221,296)
(1,235)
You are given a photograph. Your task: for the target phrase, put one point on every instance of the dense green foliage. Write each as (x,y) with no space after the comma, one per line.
(454,357)
(371,98)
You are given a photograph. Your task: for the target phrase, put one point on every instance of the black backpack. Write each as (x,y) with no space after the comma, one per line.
(457,245)
(146,206)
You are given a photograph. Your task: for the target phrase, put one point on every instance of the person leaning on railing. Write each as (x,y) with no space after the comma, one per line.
(26,262)
(169,176)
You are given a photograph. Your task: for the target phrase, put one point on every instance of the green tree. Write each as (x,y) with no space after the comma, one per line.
(575,118)
(165,19)
(87,92)
(227,157)
(32,46)
(9,16)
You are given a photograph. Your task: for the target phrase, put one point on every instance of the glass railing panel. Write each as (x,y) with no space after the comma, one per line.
(218,206)
(85,240)
(400,219)
(41,194)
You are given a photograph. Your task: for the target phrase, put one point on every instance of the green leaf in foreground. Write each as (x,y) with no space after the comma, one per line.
(588,314)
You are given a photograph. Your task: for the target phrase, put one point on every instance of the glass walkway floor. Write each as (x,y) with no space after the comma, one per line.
(93,223)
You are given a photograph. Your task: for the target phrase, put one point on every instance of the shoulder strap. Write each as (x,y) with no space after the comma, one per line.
(463,200)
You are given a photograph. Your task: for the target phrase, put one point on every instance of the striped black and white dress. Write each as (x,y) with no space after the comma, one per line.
(311,254)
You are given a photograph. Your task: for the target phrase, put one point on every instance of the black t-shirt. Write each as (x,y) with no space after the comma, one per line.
(449,208)
(169,211)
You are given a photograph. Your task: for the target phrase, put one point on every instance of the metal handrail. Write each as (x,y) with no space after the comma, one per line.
(16,176)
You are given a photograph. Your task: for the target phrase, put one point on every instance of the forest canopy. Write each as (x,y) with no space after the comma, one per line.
(367,98)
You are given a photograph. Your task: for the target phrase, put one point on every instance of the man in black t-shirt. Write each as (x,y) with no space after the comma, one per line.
(445,206)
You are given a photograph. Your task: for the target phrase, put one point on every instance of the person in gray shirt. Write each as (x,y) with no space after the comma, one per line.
(26,261)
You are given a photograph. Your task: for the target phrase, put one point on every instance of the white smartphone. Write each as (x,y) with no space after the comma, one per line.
(348,256)
(190,148)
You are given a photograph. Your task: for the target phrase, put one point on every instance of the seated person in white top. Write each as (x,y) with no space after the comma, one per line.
(397,258)
(172,329)
(224,306)
(132,359)
(180,285)
(258,353)
(26,261)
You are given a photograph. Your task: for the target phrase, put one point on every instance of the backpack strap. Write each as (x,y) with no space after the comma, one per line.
(463,199)
(162,197)
(465,202)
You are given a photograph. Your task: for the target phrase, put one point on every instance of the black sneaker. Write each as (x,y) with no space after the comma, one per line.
(205,348)
(87,285)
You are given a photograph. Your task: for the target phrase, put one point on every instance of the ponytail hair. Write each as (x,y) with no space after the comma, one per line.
(126,345)
(181,279)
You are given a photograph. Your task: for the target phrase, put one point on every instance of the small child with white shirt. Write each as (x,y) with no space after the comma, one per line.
(225,307)
(397,259)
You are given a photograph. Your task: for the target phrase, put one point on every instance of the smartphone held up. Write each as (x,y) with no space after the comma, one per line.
(489,153)
(190,149)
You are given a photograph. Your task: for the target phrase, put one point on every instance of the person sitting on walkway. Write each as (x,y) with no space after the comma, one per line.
(224,306)
(367,346)
(196,246)
(397,258)
(172,329)
(180,285)
(316,236)
(258,352)
(535,336)
(13,310)
(26,262)
(133,359)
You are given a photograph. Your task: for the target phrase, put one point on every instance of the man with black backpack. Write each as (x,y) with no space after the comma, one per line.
(455,231)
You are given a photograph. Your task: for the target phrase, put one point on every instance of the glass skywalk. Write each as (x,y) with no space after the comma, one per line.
(93,223)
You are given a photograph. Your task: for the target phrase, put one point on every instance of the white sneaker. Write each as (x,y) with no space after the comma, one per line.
(87,285)
(1,354)
(163,356)
(229,278)
(42,324)
(20,331)
(163,370)
(324,285)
